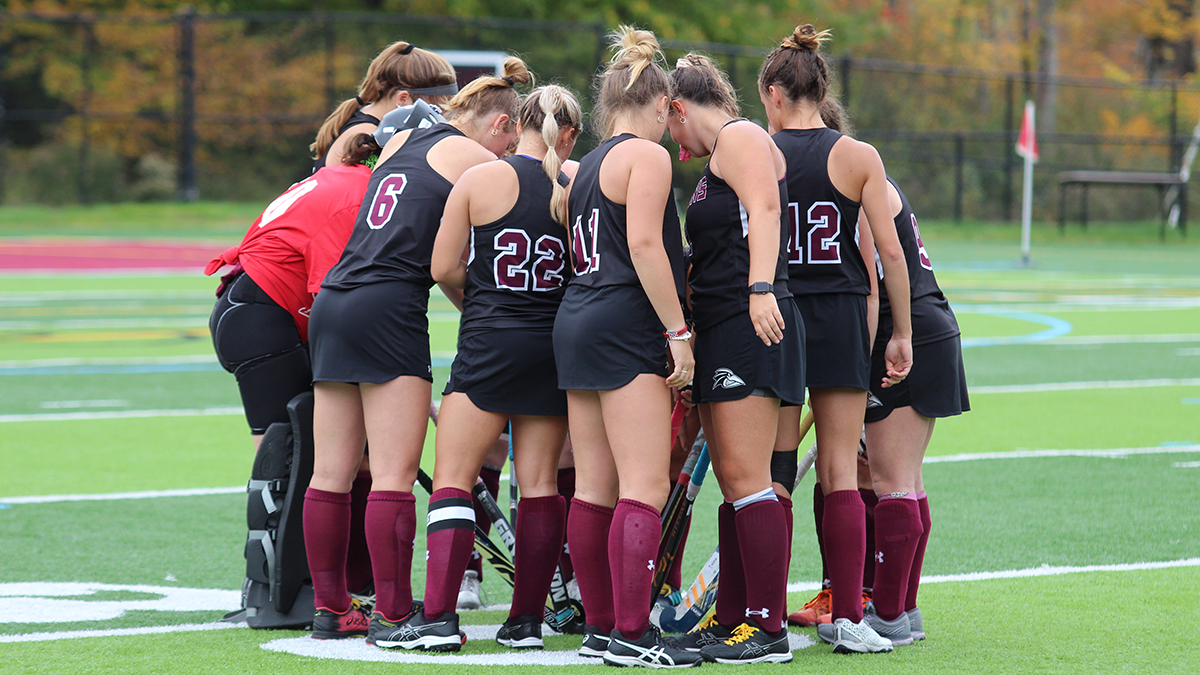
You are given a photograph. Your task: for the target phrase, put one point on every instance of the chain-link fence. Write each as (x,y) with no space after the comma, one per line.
(223,106)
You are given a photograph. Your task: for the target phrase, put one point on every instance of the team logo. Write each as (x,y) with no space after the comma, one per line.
(764,613)
(879,557)
(650,565)
(725,379)
(701,191)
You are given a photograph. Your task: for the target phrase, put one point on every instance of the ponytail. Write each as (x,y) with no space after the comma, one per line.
(551,109)
(634,76)
(488,93)
(796,66)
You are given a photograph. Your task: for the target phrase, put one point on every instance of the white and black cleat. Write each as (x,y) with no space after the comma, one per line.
(522,632)
(648,651)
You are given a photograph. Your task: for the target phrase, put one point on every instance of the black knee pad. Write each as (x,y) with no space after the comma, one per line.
(246,324)
(783,469)
(277,592)
(267,385)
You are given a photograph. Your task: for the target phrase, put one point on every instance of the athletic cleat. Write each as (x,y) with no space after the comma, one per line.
(896,630)
(820,605)
(380,625)
(366,599)
(595,642)
(523,632)
(848,637)
(469,592)
(648,651)
(329,625)
(706,634)
(915,624)
(418,632)
(750,644)
(828,616)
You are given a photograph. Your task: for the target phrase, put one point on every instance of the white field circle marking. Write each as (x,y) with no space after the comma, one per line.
(41,602)
(359,650)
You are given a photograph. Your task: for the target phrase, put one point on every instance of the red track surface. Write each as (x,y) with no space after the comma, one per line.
(81,255)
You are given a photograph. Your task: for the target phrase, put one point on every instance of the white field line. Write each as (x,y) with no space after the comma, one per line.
(120,414)
(1076,386)
(113,496)
(103,324)
(1043,571)
(1115,453)
(114,632)
(1186,465)
(1122,339)
(100,403)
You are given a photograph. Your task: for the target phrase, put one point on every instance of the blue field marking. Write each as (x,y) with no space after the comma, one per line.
(1055,327)
(141,368)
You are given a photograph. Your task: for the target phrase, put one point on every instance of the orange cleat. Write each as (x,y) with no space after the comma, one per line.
(822,604)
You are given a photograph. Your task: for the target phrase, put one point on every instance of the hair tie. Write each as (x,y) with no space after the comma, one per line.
(407,49)
(509,80)
(359,99)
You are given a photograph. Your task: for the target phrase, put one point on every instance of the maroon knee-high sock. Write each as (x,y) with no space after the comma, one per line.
(869,502)
(451,537)
(897,529)
(786,504)
(675,574)
(914,577)
(391,525)
(541,525)
(632,547)
(358,559)
(326,538)
(845,545)
(819,519)
(762,538)
(491,481)
(731,597)
(588,527)
(566,488)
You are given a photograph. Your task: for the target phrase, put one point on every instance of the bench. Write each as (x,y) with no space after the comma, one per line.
(1162,181)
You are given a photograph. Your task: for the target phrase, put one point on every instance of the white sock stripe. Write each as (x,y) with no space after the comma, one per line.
(767,495)
(451,513)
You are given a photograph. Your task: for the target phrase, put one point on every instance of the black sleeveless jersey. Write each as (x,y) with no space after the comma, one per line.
(359,117)
(718,228)
(518,270)
(932,318)
(600,241)
(823,254)
(393,236)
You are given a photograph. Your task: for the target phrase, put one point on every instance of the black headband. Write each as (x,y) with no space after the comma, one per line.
(408,49)
(440,90)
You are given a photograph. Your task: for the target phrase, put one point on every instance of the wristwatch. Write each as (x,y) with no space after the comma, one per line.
(761,288)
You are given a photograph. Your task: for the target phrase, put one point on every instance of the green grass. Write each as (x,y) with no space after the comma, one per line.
(989,515)
(208,220)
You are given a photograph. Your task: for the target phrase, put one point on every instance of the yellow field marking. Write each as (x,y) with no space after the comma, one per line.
(107,336)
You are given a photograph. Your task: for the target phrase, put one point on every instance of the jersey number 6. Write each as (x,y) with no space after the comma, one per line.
(387,196)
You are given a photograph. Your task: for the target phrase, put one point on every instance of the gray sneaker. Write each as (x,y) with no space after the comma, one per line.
(848,637)
(897,630)
(915,625)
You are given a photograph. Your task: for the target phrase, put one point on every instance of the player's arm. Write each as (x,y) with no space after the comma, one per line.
(448,265)
(875,202)
(866,248)
(747,162)
(646,194)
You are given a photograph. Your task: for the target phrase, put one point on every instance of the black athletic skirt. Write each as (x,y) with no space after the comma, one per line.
(733,363)
(935,387)
(373,333)
(604,337)
(509,371)
(837,344)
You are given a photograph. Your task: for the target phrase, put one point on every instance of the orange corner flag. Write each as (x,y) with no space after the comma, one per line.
(1027,139)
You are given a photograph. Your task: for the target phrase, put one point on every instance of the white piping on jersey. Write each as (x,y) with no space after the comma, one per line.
(745,220)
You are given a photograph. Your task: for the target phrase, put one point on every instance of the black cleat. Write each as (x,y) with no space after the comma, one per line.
(708,633)
(329,625)
(750,644)
(418,632)
(522,632)
(648,651)
(595,642)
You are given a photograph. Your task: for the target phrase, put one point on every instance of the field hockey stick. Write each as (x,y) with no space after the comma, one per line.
(670,512)
(809,457)
(676,516)
(698,598)
(513,490)
(499,558)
